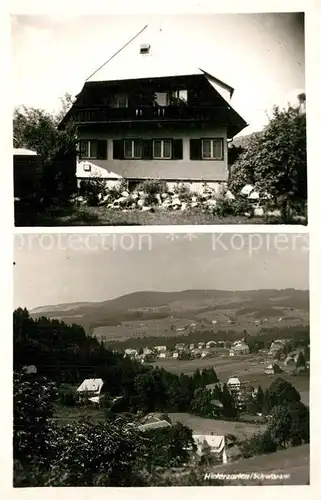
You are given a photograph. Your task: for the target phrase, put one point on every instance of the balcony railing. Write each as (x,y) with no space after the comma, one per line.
(141,114)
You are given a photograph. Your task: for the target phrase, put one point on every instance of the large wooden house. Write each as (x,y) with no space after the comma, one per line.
(140,118)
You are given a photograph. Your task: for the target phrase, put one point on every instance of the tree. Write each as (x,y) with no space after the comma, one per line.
(258,444)
(32,409)
(300,362)
(280,392)
(289,424)
(275,161)
(259,399)
(37,129)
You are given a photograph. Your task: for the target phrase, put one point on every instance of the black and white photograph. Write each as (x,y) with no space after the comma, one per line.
(126,120)
(135,367)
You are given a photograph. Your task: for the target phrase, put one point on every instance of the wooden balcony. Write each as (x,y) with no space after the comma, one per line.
(106,114)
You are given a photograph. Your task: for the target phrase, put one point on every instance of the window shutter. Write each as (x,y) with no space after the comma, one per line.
(177,151)
(195,146)
(147,150)
(102,150)
(118,149)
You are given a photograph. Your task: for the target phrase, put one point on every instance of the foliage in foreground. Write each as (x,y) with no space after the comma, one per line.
(275,162)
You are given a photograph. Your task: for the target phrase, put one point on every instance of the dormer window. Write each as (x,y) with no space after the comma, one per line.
(144,48)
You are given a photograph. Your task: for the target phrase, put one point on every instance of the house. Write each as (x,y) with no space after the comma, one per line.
(140,116)
(160,348)
(29,369)
(201,345)
(204,354)
(272,369)
(147,351)
(214,322)
(156,424)
(234,384)
(180,346)
(131,353)
(215,444)
(210,343)
(175,355)
(239,349)
(191,346)
(92,388)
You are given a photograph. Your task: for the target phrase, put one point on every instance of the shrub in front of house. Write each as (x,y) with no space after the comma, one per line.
(93,190)
(151,188)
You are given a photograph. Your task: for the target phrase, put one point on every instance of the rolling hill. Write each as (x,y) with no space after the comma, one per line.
(162,313)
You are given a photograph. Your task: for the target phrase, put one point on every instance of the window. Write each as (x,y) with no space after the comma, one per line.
(180,95)
(88,149)
(119,101)
(212,149)
(161,98)
(132,148)
(162,149)
(95,149)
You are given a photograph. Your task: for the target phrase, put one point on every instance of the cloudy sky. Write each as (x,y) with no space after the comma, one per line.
(53,269)
(260,55)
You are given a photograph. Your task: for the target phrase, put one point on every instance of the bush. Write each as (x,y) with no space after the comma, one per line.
(259,444)
(67,395)
(93,190)
(183,191)
(151,188)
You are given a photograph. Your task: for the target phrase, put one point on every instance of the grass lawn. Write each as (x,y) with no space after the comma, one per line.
(293,461)
(68,414)
(200,425)
(101,216)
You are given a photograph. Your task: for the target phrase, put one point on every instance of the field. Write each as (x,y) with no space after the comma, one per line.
(249,369)
(64,415)
(293,461)
(200,425)
(158,314)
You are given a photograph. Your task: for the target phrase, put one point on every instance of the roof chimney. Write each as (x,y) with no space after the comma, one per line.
(144,48)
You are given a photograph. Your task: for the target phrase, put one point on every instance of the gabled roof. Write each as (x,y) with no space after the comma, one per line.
(154,425)
(91,385)
(216,443)
(160,61)
(233,381)
(23,152)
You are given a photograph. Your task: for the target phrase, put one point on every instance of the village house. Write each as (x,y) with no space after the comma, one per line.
(92,388)
(162,355)
(215,444)
(234,385)
(175,355)
(147,351)
(160,348)
(29,369)
(142,116)
(131,353)
(210,344)
(154,424)
(201,345)
(272,369)
(239,349)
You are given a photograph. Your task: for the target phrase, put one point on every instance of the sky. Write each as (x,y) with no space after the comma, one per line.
(260,55)
(61,268)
